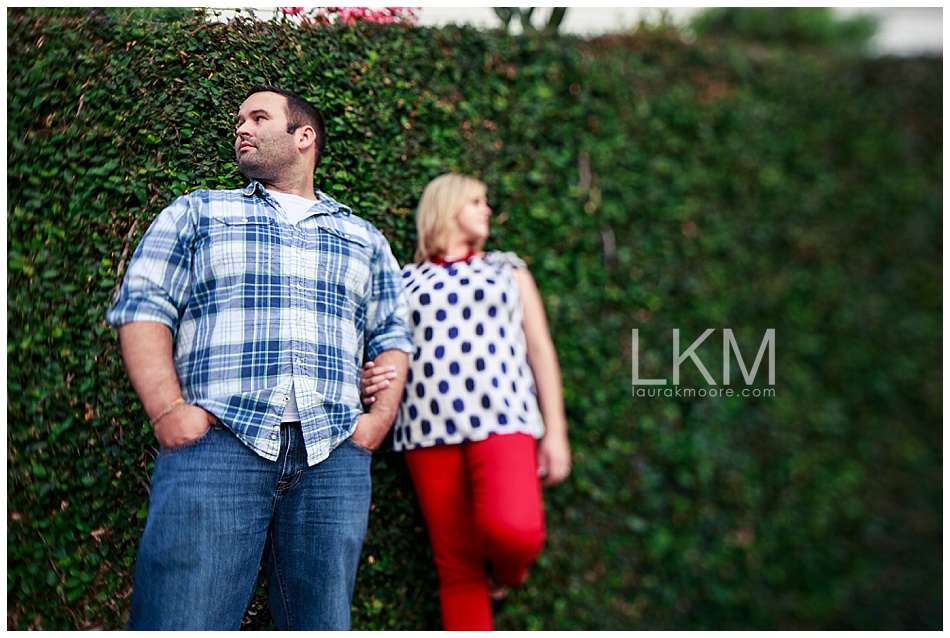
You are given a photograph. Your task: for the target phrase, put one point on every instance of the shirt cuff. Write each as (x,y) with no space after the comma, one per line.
(381,345)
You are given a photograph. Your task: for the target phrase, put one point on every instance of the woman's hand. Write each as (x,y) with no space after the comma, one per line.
(554,459)
(374,378)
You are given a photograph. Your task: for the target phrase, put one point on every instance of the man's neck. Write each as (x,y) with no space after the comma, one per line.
(301,188)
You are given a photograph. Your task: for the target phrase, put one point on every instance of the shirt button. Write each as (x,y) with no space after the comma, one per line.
(286,399)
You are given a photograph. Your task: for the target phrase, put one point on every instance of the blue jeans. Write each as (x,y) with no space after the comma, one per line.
(216,508)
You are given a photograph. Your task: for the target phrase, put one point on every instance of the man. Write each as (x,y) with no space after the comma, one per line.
(244,318)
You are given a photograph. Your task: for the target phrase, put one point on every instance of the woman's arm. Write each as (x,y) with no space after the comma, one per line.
(554,453)
(374,378)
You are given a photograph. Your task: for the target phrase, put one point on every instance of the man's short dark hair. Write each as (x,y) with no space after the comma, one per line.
(300,112)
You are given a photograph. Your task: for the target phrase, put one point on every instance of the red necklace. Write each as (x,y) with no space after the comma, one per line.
(442,261)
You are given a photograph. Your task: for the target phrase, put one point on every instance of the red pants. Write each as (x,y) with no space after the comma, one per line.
(482,505)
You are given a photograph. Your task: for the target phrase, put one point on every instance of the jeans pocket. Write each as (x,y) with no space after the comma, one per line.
(358,447)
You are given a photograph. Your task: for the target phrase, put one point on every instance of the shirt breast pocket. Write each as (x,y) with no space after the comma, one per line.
(241,245)
(347,260)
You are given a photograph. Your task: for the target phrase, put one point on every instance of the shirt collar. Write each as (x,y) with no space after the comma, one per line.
(329,206)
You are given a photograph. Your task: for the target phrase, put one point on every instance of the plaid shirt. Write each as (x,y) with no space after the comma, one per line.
(256,304)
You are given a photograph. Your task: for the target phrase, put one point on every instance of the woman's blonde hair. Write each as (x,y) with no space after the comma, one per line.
(441,201)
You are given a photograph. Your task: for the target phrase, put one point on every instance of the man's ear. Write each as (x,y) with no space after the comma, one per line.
(306,137)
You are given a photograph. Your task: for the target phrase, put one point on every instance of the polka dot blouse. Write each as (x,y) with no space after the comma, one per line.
(469,377)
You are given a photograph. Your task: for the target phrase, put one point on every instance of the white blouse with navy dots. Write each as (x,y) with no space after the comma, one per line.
(469,377)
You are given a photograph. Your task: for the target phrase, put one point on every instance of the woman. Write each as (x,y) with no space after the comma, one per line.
(484,374)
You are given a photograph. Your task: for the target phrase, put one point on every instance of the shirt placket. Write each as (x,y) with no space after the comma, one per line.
(304,331)
(273,442)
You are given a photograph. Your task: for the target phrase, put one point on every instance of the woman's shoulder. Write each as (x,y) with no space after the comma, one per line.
(504,258)
(413,272)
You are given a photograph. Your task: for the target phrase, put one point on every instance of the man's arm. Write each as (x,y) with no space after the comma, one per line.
(373,426)
(388,344)
(147,350)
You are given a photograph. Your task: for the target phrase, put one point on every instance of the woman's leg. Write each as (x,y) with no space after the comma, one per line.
(508,508)
(441,484)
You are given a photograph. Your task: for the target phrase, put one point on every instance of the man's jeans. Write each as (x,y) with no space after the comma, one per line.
(216,507)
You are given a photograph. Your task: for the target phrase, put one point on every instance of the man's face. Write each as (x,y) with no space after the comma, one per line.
(264,148)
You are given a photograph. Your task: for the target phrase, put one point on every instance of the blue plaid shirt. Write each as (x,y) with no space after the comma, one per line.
(257,304)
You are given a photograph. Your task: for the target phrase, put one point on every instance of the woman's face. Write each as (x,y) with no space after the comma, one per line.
(473,218)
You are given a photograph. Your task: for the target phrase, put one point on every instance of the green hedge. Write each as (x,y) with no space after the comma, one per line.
(652,184)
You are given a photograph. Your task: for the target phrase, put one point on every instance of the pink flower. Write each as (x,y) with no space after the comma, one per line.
(352,15)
